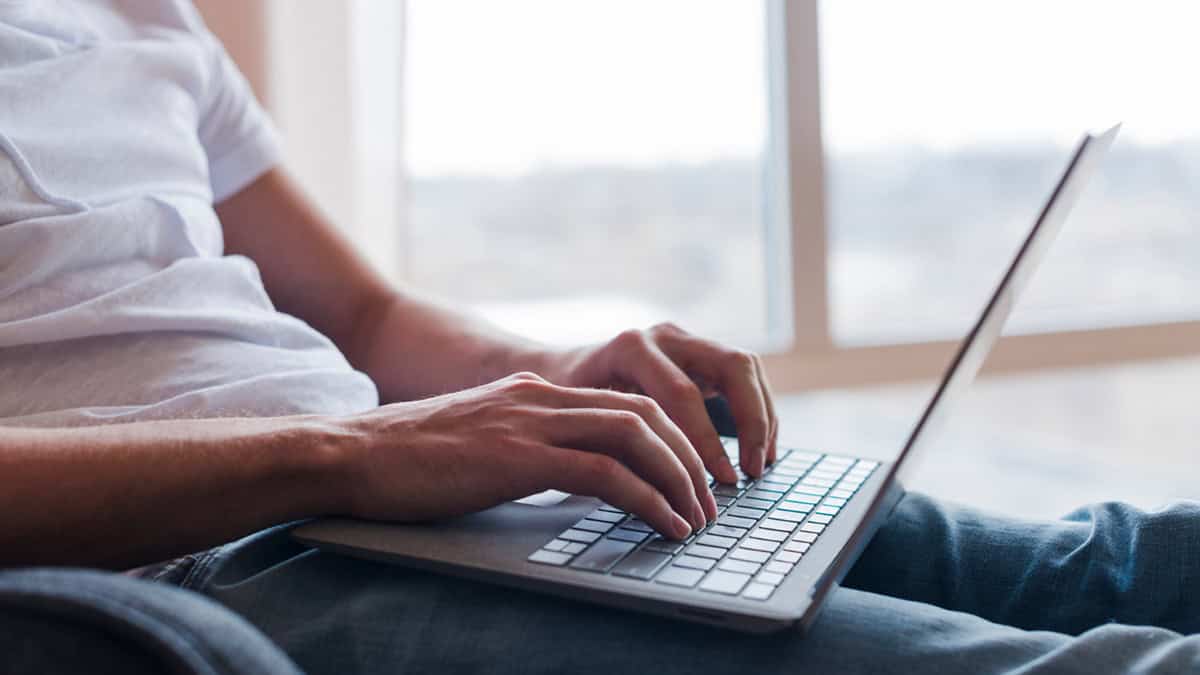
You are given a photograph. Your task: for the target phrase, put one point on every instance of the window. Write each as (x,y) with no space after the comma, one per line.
(836,183)
(576,168)
(947,124)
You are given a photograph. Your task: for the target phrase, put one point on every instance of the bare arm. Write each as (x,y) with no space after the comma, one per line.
(130,494)
(412,347)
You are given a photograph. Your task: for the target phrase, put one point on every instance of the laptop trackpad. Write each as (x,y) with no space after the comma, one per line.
(547,498)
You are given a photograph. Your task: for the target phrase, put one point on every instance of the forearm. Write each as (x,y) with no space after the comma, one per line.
(123,495)
(413,347)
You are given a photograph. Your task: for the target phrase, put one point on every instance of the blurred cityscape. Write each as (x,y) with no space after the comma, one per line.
(917,238)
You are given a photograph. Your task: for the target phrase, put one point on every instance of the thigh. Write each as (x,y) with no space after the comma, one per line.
(1104,563)
(339,615)
(75,621)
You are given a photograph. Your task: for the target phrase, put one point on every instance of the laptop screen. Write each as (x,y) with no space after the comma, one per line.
(978,343)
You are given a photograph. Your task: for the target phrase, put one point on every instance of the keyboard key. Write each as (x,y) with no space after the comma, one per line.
(692,562)
(788,515)
(835,502)
(556,545)
(582,536)
(866,464)
(820,518)
(606,516)
(765,495)
(706,551)
(726,531)
(770,535)
(827,510)
(723,500)
(773,523)
(797,546)
(841,494)
(593,526)
(810,490)
(549,557)
(793,507)
(815,528)
(611,509)
(638,524)
(726,490)
(728,583)
(573,548)
(779,567)
(769,578)
(741,566)
(750,502)
(633,536)
(806,537)
(787,556)
(743,512)
(735,521)
(680,576)
(664,545)
(800,498)
(758,591)
(818,482)
(641,564)
(602,556)
(717,541)
(760,545)
(742,553)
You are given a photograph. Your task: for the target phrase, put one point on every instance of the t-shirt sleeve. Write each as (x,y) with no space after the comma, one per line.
(237,135)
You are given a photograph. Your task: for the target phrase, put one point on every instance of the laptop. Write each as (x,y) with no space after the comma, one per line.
(780,544)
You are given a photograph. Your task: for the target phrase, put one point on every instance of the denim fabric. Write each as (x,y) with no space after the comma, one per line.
(59,621)
(939,590)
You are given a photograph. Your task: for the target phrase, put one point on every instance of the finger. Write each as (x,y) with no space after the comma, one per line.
(772,418)
(625,436)
(661,424)
(598,475)
(681,399)
(735,375)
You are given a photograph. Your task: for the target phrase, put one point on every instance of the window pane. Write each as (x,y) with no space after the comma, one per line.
(946,124)
(581,167)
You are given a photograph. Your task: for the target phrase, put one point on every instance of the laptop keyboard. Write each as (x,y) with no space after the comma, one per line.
(762,530)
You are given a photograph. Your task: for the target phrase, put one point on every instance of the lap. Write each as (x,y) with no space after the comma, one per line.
(336,614)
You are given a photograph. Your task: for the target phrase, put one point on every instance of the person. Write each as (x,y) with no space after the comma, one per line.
(191,358)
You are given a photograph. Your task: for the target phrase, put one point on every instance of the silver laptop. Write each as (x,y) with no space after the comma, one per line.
(780,544)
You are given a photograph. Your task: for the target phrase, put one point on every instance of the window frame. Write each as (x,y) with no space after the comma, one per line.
(314,105)
(813,359)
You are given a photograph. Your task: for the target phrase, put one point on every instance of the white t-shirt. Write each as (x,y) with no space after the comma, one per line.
(121,123)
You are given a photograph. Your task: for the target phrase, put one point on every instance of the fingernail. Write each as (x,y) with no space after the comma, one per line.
(682,529)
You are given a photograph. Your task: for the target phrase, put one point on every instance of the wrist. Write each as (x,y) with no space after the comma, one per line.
(320,457)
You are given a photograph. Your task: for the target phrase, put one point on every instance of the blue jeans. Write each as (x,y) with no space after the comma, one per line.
(939,590)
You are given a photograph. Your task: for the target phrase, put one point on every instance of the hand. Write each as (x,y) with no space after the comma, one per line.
(679,371)
(473,449)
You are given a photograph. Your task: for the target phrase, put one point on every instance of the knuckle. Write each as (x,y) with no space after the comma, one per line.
(740,359)
(644,405)
(631,340)
(526,375)
(667,328)
(628,421)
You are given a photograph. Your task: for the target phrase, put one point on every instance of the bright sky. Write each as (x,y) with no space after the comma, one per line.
(505,87)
